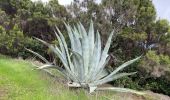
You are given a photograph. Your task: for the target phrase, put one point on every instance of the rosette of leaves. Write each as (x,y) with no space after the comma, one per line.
(85,61)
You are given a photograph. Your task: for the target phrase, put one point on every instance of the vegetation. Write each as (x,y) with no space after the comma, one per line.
(85,67)
(18,81)
(137,31)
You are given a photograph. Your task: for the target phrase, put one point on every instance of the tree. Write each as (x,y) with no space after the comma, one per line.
(11,41)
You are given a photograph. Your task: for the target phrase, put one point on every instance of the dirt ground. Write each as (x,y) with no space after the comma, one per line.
(3,93)
(148,96)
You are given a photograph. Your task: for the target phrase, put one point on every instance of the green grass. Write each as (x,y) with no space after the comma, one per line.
(19,82)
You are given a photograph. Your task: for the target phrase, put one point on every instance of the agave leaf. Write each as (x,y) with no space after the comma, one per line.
(120,75)
(123,66)
(103,72)
(95,58)
(64,44)
(71,74)
(41,57)
(73,43)
(82,30)
(76,66)
(114,77)
(46,66)
(78,47)
(85,48)
(61,45)
(79,30)
(79,62)
(122,90)
(58,53)
(70,34)
(103,58)
(76,79)
(91,48)
(67,53)
(91,38)
(104,54)
(76,32)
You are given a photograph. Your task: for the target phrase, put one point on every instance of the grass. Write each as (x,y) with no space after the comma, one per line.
(19,82)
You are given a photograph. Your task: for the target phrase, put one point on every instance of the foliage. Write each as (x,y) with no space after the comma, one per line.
(159,85)
(18,81)
(151,55)
(128,82)
(34,45)
(156,65)
(85,67)
(134,21)
(4,19)
(164,60)
(153,74)
(133,36)
(12,41)
(32,19)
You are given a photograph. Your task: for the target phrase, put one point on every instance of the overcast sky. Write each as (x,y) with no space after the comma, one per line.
(62,2)
(162,7)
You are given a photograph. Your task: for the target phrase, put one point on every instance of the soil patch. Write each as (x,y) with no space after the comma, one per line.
(3,93)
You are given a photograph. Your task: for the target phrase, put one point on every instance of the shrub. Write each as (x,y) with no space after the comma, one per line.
(152,56)
(164,60)
(153,74)
(13,42)
(155,65)
(84,65)
(144,81)
(33,45)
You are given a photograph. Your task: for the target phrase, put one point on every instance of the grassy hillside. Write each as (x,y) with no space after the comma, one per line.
(19,82)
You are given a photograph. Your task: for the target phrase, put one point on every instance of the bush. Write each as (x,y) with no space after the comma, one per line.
(153,74)
(128,82)
(13,42)
(32,44)
(152,56)
(164,60)
(143,81)
(159,85)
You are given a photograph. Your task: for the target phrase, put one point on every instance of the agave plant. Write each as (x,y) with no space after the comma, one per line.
(85,61)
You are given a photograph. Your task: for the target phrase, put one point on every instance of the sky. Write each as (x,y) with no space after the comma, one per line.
(62,2)
(162,7)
